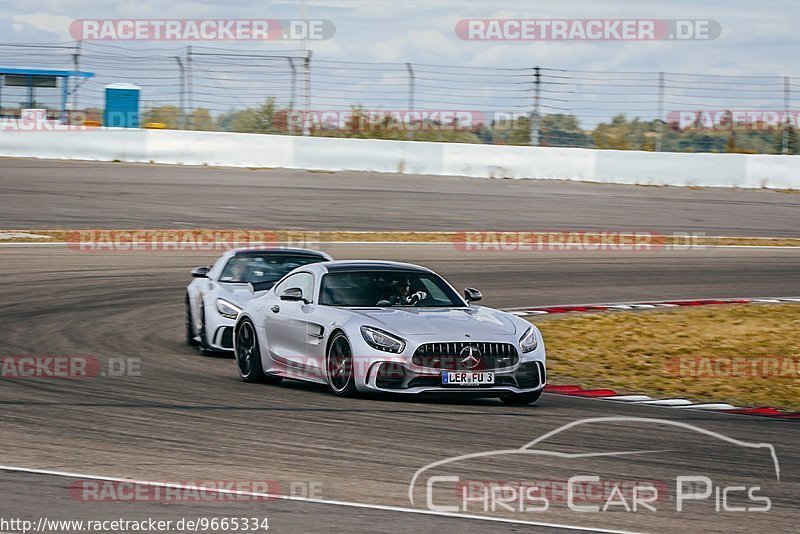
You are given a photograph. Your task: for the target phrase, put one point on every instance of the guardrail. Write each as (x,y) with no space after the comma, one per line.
(442,159)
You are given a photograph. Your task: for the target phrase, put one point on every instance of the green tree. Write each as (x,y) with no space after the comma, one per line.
(730,146)
(559,129)
(791,138)
(649,142)
(794,141)
(169,115)
(251,120)
(201,120)
(614,135)
(516,131)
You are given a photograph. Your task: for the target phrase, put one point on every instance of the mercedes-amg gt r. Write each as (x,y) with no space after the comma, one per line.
(217,294)
(387,327)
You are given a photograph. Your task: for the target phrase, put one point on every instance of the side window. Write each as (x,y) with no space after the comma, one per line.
(304,281)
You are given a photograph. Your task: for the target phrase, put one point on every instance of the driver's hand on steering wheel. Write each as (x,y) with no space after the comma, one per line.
(417,297)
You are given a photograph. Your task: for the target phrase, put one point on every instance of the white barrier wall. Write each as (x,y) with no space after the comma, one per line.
(450,159)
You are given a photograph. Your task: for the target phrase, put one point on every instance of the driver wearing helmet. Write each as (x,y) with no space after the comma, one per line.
(401,296)
(238,271)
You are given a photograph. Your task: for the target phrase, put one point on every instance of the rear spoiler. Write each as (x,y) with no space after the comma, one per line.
(260,286)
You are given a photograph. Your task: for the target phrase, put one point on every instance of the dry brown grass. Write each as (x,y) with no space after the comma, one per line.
(637,352)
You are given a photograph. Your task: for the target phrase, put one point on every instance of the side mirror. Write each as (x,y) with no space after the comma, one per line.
(294,294)
(472,295)
(255,287)
(200,272)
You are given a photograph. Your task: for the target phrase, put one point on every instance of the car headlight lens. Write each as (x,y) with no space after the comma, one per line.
(381,340)
(227,309)
(529,341)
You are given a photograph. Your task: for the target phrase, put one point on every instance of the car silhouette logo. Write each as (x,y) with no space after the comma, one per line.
(470,356)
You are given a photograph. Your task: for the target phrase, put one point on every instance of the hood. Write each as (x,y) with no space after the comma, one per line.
(443,321)
(238,294)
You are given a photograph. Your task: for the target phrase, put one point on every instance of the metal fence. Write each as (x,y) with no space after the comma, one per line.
(213,87)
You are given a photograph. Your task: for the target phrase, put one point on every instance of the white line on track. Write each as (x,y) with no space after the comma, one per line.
(381,507)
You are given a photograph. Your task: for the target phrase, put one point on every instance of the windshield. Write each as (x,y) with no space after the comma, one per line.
(256,268)
(387,289)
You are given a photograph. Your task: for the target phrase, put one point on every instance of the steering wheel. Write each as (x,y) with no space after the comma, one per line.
(417,298)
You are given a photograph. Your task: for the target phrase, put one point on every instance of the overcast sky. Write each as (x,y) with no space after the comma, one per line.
(758,37)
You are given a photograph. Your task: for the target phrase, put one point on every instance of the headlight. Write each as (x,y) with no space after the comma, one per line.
(381,340)
(226,309)
(529,341)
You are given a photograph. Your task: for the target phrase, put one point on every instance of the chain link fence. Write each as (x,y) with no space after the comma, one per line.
(226,89)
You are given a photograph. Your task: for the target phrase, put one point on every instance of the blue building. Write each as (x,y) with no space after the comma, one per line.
(122,106)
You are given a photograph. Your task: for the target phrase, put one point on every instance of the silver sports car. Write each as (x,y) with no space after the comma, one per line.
(377,326)
(217,294)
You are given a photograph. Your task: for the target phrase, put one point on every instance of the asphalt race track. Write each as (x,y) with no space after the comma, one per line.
(183,417)
(53,194)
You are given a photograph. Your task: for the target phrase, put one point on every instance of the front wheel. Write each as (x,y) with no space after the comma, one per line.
(521,399)
(248,356)
(341,377)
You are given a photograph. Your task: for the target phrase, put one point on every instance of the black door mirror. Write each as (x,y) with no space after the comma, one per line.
(472,295)
(255,287)
(200,272)
(294,294)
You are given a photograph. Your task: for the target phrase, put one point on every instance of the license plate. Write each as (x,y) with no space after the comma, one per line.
(467,378)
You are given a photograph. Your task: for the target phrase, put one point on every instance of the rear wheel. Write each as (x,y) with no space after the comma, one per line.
(521,399)
(248,356)
(340,366)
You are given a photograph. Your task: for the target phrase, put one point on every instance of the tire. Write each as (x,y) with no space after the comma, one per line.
(248,356)
(190,340)
(521,399)
(339,366)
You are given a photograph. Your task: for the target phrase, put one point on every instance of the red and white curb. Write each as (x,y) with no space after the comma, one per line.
(627,306)
(611,395)
(678,403)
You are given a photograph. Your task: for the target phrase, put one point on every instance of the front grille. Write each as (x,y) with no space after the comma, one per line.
(425,381)
(227,337)
(449,357)
(530,375)
(390,376)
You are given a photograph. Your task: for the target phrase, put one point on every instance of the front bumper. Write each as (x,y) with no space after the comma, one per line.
(397,374)
(222,339)
(219,331)
(392,377)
